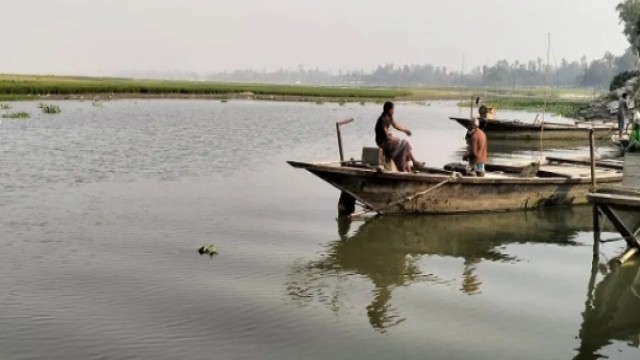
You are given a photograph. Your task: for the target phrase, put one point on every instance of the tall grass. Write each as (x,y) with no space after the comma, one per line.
(54,85)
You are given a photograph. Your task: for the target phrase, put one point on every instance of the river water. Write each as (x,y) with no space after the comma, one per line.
(102,210)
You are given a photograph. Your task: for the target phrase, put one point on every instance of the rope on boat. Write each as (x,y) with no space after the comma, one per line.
(409,198)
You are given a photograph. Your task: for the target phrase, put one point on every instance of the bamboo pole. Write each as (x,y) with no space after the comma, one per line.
(338,124)
(593,160)
(627,255)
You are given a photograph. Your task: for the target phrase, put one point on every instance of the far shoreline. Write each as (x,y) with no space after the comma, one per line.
(565,102)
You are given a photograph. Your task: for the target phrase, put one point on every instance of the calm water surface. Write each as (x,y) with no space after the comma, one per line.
(102,211)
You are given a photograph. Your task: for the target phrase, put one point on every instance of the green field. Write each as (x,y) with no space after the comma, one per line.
(21,87)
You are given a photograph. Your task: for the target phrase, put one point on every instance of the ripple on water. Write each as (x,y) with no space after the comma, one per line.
(102,210)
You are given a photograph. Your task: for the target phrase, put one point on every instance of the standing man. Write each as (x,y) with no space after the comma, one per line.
(477,149)
(623,106)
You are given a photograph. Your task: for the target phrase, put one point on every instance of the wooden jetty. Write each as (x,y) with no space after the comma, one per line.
(621,205)
(518,130)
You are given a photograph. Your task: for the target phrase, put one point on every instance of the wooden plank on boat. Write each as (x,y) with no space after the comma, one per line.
(615,199)
(574,172)
(491,167)
(604,164)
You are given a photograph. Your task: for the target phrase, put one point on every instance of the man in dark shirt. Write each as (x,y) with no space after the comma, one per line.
(623,106)
(399,150)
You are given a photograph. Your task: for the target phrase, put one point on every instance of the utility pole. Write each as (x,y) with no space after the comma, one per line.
(462,71)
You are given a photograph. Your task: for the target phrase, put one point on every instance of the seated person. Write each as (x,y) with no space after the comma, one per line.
(634,139)
(482,121)
(399,150)
(482,111)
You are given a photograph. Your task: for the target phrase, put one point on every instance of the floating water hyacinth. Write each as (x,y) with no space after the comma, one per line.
(5,106)
(208,250)
(50,108)
(16,115)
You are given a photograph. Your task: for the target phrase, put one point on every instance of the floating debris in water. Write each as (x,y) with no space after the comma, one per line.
(208,250)
(16,115)
(5,106)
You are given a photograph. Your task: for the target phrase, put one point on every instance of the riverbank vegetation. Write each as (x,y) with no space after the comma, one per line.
(21,87)
(50,108)
(77,87)
(16,115)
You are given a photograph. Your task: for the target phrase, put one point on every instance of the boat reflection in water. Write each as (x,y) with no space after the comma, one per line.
(612,311)
(388,251)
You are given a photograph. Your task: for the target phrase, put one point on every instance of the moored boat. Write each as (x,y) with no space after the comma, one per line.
(517,130)
(441,191)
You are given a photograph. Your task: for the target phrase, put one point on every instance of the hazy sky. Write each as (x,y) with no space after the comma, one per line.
(105,37)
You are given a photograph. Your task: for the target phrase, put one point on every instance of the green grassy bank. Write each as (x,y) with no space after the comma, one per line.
(25,87)
(21,86)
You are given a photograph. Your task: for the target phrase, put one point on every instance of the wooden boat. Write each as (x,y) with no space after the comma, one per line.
(517,130)
(440,191)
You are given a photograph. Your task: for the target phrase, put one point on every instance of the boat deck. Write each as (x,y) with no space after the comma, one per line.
(502,171)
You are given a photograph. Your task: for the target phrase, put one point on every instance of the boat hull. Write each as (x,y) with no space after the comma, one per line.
(511,130)
(408,193)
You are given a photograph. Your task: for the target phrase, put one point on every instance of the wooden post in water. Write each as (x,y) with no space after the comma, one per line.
(593,160)
(346,202)
(596,232)
(338,124)
(596,217)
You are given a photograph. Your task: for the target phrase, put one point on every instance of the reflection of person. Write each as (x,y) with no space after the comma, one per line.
(634,139)
(477,149)
(399,150)
(623,106)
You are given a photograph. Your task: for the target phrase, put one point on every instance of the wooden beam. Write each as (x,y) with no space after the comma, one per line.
(601,164)
(628,235)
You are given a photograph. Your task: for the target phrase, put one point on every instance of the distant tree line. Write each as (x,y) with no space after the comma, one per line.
(583,73)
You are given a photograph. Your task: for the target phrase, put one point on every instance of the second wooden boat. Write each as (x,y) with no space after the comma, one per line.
(517,130)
